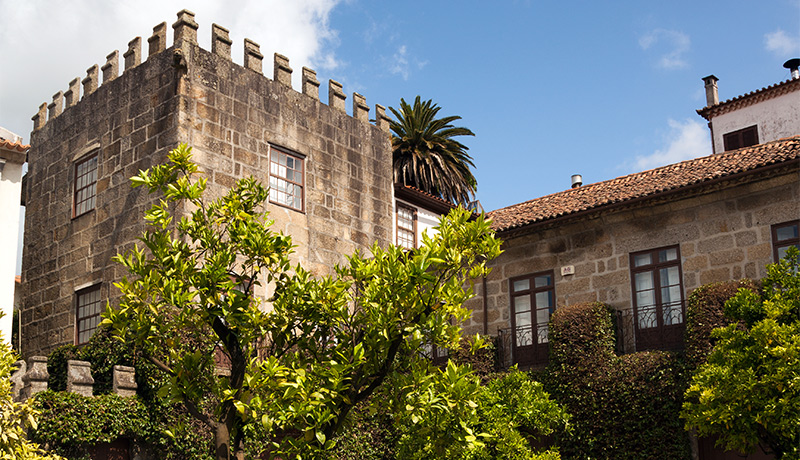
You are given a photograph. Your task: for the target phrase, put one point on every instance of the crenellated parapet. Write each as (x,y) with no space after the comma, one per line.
(185,31)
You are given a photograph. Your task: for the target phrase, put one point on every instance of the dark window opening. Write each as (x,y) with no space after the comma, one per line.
(741,138)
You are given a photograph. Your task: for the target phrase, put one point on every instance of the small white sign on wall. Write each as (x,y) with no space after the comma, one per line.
(568,270)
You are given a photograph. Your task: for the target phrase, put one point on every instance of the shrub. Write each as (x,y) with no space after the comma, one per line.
(705,312)
(620,407)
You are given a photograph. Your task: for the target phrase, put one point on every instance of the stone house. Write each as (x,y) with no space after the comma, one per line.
(642,242)
(329,171)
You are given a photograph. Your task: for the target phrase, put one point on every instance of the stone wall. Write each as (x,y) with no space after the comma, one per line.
(231,114)
(723,234)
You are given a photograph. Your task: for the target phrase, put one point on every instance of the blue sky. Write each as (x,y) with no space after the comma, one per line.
(550,89)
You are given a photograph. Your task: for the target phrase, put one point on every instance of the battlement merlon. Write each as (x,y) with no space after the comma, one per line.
(185,31)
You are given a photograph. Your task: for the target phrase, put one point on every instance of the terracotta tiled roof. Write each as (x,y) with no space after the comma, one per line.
(11,145)
(752,97)
(647,183)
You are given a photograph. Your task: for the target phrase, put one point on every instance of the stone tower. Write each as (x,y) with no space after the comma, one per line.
(330,173)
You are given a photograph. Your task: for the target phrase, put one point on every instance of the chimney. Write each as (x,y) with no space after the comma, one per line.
(793,65)
(712,94)
(577,180)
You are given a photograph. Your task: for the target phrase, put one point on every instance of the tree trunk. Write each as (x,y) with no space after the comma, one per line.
(222,441)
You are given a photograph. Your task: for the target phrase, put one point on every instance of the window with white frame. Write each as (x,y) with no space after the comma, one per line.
(286,178)
(406,226)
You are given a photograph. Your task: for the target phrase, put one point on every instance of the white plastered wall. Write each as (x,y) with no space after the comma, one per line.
(776,118)
(10,188)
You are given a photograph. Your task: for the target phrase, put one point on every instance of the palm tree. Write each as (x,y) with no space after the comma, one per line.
(426,156)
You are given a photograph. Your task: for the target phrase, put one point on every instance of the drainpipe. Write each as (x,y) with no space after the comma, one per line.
(485,309)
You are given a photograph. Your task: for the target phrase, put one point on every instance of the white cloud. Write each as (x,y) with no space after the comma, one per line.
(685,140)
(399,62)
(782,44)
(51,42)
(671,44)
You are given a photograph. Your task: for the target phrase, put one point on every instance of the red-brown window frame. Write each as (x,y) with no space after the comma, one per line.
(786,242)
(413,225)
(76,190)
(539,354)
(302,184)
(78,318)
(654,267)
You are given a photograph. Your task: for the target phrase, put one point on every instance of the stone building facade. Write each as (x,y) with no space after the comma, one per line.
(640,243)
(329,171)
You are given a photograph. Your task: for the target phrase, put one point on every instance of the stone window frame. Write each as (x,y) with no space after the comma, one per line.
(660,335)
(88,307)
(738,139)
(541,330)
(280,182)
(84,184)
(405,242)
(779,245)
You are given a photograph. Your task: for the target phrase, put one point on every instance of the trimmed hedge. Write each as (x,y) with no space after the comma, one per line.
(705,312)
(620,407)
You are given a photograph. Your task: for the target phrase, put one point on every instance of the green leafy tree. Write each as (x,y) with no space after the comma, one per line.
(296,364)
(748,393)
(425,155)
(16,418)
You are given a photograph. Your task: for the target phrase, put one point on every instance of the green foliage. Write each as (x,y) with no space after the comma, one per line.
(327,344)
(748,393)
(57,366)
(72,424)
(16,418)
(515,412)
(425,155)
(620,407)
(705,312)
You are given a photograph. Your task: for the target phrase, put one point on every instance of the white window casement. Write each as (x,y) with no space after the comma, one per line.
(406,227)
(286,178)
(87,313)
(85,185)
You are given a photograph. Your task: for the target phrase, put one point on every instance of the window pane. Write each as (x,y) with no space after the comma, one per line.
(522,303)
(673,314)
(671,295)
(669,276)
(644,281)
(782,250)
(544,299)
(523,319)
(647,317)
(542,334)
(646,298)
(524,336)
(787,232)
(542,281)
(521,285)
(642,259)
(542,316)
(666,255)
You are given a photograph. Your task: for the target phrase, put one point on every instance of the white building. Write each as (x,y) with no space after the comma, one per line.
(12,157)
(764,115)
